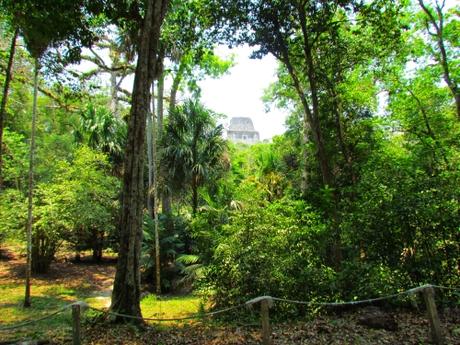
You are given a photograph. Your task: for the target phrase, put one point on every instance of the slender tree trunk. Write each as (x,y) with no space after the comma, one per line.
(153,186)
(155,203)
(160,103)
(304,165)
(314,119)
(443,59)
(126,292)
(337,109)
(6,89)
(114,94)
(429,130)
(30,218)
(165,195)
(194,194)
(150,135)
(175,87)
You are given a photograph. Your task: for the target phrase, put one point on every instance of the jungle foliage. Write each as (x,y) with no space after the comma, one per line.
(359,197)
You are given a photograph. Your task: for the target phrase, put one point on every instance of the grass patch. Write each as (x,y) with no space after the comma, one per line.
(48,298)
(65,283)
(170,307)
(43,303)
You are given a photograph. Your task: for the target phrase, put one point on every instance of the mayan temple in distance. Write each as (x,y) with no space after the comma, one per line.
(241,130)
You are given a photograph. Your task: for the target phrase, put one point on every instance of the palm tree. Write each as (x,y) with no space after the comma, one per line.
(193,148)
(103,131)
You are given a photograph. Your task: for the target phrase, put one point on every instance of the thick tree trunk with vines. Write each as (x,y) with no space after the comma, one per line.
(126,292)
(6,89)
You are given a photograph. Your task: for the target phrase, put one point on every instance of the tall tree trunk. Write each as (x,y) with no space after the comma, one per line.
(30,218)
(155,204)
(194,194)
(443,59)
(126,291)
(337,109)
(314,114)
(152,195)
(114,94)
(175,86)
(429,130)
(315,123)
(165,195)
(304,165)
(160,103)
(6,89)
(150,138)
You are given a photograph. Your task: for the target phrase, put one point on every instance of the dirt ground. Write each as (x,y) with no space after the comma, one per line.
(413,329)
(85,275)
(333,328)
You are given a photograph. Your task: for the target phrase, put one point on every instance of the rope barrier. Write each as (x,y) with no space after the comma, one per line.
(246,304)
(29,322)
(195,316)
(364,301)
(446,288)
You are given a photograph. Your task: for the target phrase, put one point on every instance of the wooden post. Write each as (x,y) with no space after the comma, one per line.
(433,317)
(76,324)
(265,319)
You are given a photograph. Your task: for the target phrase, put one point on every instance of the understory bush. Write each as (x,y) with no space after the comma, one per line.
(271,249)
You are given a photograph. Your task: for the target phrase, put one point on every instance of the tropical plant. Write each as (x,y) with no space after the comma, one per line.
(193,148)
(101,130)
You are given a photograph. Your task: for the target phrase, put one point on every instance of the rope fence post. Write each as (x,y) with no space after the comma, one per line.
(433,317)
(265,305)
(76,332)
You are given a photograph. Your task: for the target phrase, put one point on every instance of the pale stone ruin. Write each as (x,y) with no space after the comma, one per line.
(241,130)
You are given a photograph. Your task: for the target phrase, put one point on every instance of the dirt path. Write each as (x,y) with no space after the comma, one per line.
(95,278)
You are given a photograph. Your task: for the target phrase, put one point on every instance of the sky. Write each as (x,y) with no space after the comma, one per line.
(239,93)
(236,94)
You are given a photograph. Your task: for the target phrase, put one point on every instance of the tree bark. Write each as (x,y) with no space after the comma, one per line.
(305,140)
(114,94)
(165,195)
(126,291)
(160,103)
(98,244)
(152,195)
(194,194)
(30,218)
(43,251)
(337,109)
(155,204)
(443,61)
(6,89)
(429,130)
(312,118)
(175,86)
(150,169)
